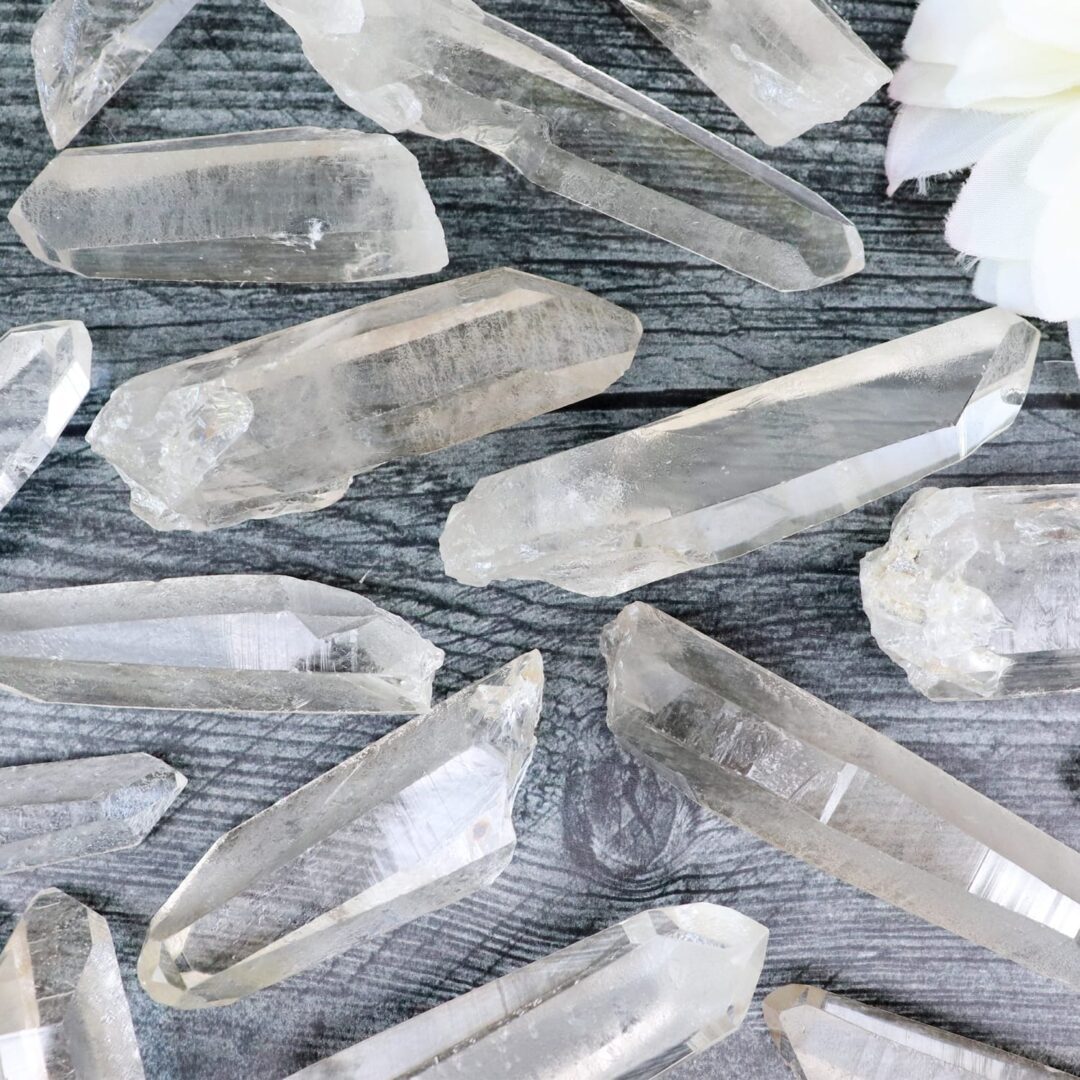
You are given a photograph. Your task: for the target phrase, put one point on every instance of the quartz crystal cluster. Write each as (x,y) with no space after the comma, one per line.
(291,205)
(820,785)
(447,69)
(416,821)
(977,593)
(631,1001)
(228,643)
(281,424)
(744,470)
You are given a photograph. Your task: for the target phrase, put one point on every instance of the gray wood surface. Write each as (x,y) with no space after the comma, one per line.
(599,839)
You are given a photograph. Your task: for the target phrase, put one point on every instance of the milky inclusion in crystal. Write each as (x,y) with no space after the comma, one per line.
(228,643)
(822,786)
(292,205)
(63,1011)
(416,821)
(631,1001)
(977,593)
(281,424)
(447,69)
(749,468)
(824,1036)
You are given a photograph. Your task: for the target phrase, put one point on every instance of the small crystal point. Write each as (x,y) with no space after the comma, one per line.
(63,1011)
(631,1001)
(413,823)
(403,376)
(755,466)
(292,205)
(820,785)
(975,593)
(447,69)
(228,643)
(824,1036)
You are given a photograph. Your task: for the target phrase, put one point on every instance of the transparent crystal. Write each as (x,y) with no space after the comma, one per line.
(820,785)
(61,810)
(229,643)
(230,436)
(447,69)
(416,821)
(85,50)
(977,593)
(292,205)
(63,1012)
(783,66)
(824,1036)
(749,468)
(631,1001)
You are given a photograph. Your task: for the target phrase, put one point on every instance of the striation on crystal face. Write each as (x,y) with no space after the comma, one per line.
(824,1036)
(44,376)
(631,1001)
(413,823)
(227,437)
(447,69)
(294,205)
(977,593)
(228,643)
(755,466)
(782,66)
(63,1011)
(85,50)
(61,810)
(820,785)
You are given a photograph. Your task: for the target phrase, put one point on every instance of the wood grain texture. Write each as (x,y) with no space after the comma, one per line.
(599,839)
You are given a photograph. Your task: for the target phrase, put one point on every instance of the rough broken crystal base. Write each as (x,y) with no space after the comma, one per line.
(820,785)
(413,823)
(749,468)
(228,643)
(63,1012)
(292,205)
(631,1001)
(977,593)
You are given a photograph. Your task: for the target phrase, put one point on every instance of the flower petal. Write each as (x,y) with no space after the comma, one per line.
(1006,284)
(942,30)
(1001,65)
(1055,262)
(1053,22)
(915,83)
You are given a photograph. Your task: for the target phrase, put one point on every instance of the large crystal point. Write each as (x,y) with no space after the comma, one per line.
(294,205)
(977,593)
(44,376)
(236,643)
(631,1001)
(744,470)
(85,50)
(231,436)
(63,1011)
(824,787)
(783,66)
(447,69)
(61,810)
(823,1036)
(417,821)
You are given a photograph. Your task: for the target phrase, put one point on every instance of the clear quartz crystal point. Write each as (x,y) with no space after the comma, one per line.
(290,205)
(44,376)
(783,66)
(447,69)
(977,593)
(230,436)
(749,468)
(61,810)
(413,823)
(631,1001)
(63,1011)
(826,788)
(85,50)
(824,1036)
(222,643)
